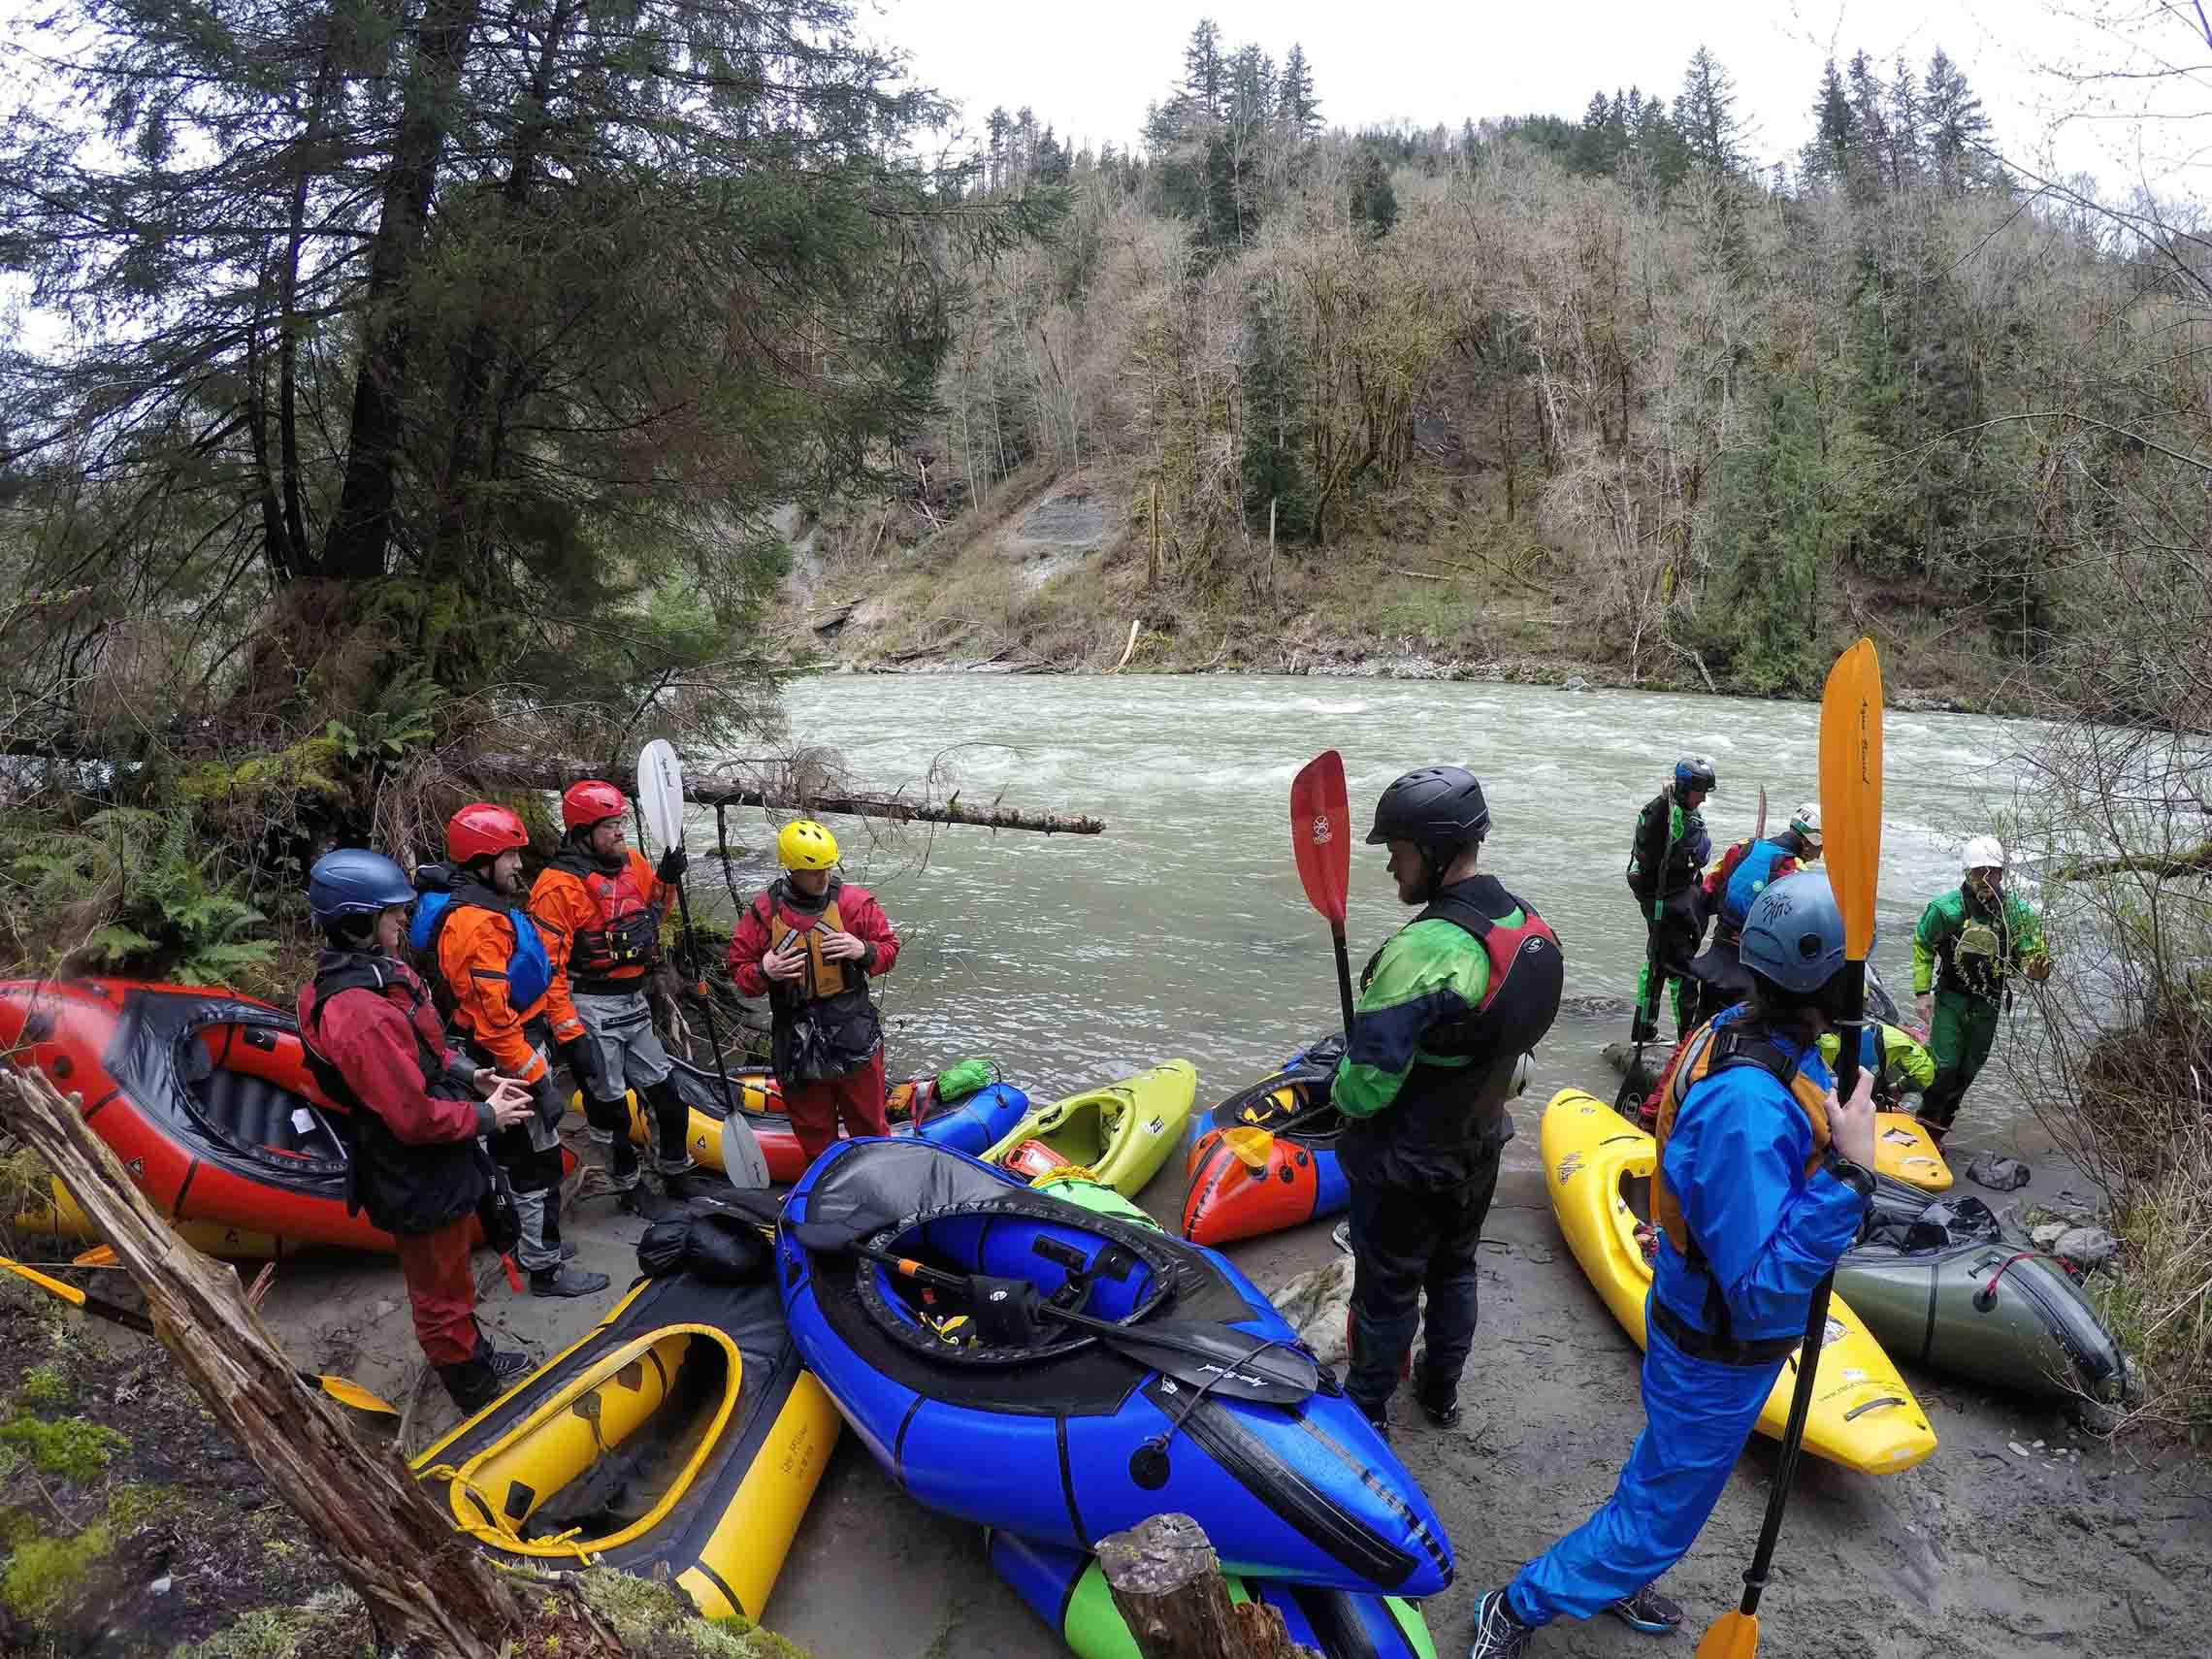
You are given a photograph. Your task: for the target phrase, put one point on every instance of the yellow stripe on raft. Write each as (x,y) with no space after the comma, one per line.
(1863,1414)
(60,1216)
(748,1548)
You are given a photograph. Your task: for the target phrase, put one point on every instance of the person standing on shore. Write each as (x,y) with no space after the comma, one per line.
(1448,1010)
(1970,942)
(1666,858)
(1744,872)
(810,944)
(1762,1183)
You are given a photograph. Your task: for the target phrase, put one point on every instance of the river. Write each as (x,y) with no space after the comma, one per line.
(1183,929)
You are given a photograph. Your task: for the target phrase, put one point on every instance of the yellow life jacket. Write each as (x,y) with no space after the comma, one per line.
(824,977)
(1712,1049)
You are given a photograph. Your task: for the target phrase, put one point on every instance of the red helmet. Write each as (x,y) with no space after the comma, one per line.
(482,831)
(590,802)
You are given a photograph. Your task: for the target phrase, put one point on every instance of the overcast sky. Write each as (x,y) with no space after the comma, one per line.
(1090,69)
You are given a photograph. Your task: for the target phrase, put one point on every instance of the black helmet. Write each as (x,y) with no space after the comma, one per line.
(1440,809)
(1695,771)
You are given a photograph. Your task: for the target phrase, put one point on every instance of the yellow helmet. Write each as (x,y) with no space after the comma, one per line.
(805,845)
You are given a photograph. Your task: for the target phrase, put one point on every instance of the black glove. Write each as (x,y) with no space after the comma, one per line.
(673,863)
(551,1105)
(581,1056)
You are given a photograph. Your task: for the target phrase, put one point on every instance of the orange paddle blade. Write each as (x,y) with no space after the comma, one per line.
(1320,833)
(1851,790)
(1734,1635)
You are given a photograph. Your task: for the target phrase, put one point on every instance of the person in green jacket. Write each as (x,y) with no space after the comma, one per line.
(1969,943)
(1897,1064)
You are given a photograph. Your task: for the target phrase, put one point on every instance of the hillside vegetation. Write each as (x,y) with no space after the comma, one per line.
(1589,393)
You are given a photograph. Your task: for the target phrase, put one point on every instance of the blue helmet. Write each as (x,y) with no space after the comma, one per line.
(353,880)
(1794,935)
(1695,771)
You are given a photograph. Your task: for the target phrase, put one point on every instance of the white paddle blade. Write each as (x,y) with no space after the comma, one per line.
(742,1159)
(661,791)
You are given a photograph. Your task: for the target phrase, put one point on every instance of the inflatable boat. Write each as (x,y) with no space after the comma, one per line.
(1940,1284)
(1067,1590)
(206,1096)
(1598,1169)
(1121,1133)
(678,1439)
(968,1125)
(1061,1435)
(1265,1159)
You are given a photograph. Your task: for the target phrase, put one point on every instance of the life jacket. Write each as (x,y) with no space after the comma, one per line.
(1447,1118)
(1709,1051)
(529,966)
(1751,877)
(404,1189)
(823,1024)
(614,956)
(1977,959)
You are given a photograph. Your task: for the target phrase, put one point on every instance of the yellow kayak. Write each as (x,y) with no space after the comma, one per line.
(678,1439)
(1121,1133)
(1903,1148)
(1597,1168)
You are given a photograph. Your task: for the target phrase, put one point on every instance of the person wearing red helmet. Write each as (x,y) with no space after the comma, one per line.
(601,907)
(510,1009)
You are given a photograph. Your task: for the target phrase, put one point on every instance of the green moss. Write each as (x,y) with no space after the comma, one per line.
(44,1387)
(45,1575)
(72,1448)
(331,1622)
(134,1504)
(658,1621)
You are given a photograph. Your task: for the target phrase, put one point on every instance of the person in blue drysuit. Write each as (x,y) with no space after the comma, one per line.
(1763,1182)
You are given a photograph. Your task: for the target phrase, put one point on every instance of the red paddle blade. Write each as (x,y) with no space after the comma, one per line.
(1320,833)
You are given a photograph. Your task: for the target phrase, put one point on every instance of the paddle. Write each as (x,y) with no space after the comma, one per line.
(661,798)
(340,1389)
(1219,1358)
(1320,839)
(1852,825)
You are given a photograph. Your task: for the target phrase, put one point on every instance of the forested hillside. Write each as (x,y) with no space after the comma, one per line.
(1631,397)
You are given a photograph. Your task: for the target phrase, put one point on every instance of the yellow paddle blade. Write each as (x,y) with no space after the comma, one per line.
(67,1292)
(1253,1146)
(1851,790)
(99,1255)
(347,1392)
(1734,1635)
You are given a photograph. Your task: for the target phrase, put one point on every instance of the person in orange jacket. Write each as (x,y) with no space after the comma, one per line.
(601,907)
(809,944)
(415,1112)
(511,1008)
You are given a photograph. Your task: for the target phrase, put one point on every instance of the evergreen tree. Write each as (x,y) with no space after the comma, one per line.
(1875,159)
(1602,138)
(1770,553)
(1954,130)
(1374,204)
(1827,158)
(1205,73)
(1704,115)
(1296,106)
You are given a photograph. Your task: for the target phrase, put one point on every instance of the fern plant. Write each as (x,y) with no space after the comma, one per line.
(125,891)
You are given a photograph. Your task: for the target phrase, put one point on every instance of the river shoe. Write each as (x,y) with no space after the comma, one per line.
(1647,1611)
(1498,1632)
(566,1281)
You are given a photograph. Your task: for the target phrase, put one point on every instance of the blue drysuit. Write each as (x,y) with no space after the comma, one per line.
(1736,1160)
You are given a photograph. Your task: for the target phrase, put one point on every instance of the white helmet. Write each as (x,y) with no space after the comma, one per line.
(1805,821)
(1983,853)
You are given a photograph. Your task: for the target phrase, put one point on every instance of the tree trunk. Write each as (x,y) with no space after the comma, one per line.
(1167,1583)
(520,771)
(362,529)
(426,1592)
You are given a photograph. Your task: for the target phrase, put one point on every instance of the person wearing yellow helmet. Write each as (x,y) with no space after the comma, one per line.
(809,944)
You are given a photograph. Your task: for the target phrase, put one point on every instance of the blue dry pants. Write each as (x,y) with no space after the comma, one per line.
(1698,1414)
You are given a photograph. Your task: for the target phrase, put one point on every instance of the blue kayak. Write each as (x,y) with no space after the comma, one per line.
(1065,1438)
(1067,1590)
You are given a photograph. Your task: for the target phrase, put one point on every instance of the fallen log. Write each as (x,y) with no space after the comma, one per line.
(426,1593)
(1166,1582)
(2196,862)
(518,771)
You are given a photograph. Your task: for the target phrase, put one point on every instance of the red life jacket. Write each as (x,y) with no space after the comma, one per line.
(613,957)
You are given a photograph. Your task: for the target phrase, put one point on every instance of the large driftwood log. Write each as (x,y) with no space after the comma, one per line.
(1168,1582)
(429,1593)
(521,771)
(2196,862)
